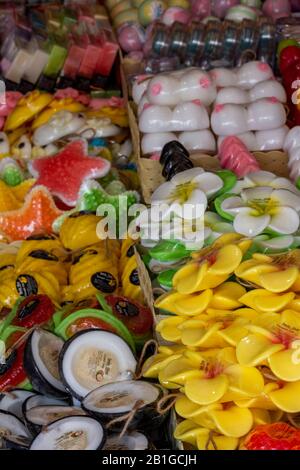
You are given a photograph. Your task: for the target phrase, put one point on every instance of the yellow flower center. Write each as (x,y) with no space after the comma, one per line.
(182,192)
(286,335)
(267,206)
(208,255)
(212,368)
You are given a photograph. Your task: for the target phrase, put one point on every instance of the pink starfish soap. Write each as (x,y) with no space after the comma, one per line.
(64,173)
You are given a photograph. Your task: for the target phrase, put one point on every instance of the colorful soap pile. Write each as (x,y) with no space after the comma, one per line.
(177,324)
(54,46)
(193,106)
(235,360)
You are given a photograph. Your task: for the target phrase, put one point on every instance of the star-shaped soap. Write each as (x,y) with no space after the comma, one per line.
(35,217)
(64,173)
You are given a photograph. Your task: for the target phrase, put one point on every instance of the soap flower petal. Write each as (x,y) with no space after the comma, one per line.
(278,343)
(263,178)
(185,304)
(211,266)
(275,273)
(265,301)
(202,438)
(262,208)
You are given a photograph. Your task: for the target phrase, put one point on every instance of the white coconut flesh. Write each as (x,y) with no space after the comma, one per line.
(10,425)
(95,358)
(43,415)
(42,400)
(130,441)
(13,400)
(72,433)
(121,397)
(45,347)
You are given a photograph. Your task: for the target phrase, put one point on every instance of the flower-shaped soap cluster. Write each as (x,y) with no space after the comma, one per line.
(235,326)
(261,203)
(179,209)
(196,207)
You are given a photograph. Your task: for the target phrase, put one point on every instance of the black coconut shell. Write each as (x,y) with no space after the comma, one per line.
(102,443)
(144,418)
(37,380)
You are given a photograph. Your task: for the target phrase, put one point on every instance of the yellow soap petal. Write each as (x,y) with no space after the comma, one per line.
(169,350)
(194,304)
(233,334)
(228,238)
(296,286)
(205,391)
(254,349)
(251,271)
(168,328)
(294,304)
(177,372)
(187,431)
(279,281)
(228,259)
(262,401)
(202,337)
(195,357)
(188,278)
(292,319)
(154,364)
(217,443)
(287,397)
(234,421)
(204,420)
(212,280)
(227,296)
(213,312)
(194,322)
(260,416)
(247,313)
(168,302)
(265,301)
(247,381)
(267,321)
(244,245)
(227,356)
(262,258)
(188,409)
(261,331)
(283,366)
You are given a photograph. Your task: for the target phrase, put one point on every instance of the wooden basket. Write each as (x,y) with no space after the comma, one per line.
(150,170)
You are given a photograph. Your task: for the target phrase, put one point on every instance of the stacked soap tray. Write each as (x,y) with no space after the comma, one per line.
(196,107)
(55,45)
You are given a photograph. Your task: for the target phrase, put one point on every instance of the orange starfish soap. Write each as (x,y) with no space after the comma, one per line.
(34,217)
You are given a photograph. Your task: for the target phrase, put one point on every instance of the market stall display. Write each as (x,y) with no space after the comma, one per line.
(150,225)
